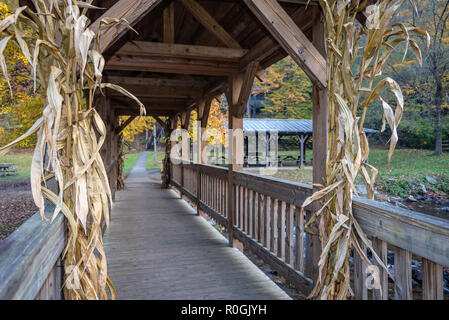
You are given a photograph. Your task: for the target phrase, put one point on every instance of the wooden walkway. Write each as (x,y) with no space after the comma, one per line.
(158,248)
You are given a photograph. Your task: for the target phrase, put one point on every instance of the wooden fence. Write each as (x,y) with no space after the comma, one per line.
(29,259)
(269,223)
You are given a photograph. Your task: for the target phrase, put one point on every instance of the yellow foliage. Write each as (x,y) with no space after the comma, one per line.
(216,124)
(20,110)
(18,118)
(218,120)
(137,126)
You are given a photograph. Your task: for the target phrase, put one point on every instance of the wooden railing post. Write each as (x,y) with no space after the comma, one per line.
(432,280)
(259,225)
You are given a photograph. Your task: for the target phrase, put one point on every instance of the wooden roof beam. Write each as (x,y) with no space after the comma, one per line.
(158,49)
(172,65)
(160,91)
(175,82)
(210,23)
(124,125)
(169,23)
(151,104)
(268,46)
(245,90)
(162,123)
(150,110)
(130,10)
(167,113)
(302,2)
(291,38)
(361,17)
(185,119)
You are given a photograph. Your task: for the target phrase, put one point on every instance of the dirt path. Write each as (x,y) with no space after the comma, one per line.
(16,205)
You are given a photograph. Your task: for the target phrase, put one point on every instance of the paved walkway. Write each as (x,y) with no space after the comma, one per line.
(158,248)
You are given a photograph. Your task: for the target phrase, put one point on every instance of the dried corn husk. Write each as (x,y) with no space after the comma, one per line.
(351,94)
(66,61)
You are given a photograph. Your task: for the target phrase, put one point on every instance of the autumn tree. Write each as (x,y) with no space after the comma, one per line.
(20,107)
(287,91)
(428,85)
(137,126)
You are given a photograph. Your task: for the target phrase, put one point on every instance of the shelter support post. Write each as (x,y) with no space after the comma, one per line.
(302,142)
(320,149)
(267,149)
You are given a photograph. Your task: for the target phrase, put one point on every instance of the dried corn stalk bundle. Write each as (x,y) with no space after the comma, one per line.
(356,55)
(166,165)
(67,65)
(120,164)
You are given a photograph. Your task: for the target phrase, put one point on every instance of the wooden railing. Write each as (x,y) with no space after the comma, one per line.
(269,223)
(29,259)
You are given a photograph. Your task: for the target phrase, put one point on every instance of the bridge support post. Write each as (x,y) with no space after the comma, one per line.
(238,94)
(109,150)
(320,147)
(169,126)
(185,143)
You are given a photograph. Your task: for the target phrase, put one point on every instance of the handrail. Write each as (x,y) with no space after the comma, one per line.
(422,234)
(29,255)
(260,199)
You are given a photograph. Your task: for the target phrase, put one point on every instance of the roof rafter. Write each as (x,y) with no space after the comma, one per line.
(158,49)
(291,38)
(131,11)
(210,23)
(172,65)
(168,82)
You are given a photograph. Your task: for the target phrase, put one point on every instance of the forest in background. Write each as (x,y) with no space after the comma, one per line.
(286,92)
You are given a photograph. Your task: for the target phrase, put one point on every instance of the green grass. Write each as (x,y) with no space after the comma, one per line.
(408,169)
(151,165)
(297,175)
(22,163)
(409,162)
(294,153)
(129,161)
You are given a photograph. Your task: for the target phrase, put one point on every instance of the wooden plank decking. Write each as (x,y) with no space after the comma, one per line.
(158,248)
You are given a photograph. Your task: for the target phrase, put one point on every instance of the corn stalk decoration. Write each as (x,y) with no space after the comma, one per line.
(120,163)
(356,56)
(67,65)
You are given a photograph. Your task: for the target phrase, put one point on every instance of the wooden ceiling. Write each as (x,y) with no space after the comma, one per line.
(185,50)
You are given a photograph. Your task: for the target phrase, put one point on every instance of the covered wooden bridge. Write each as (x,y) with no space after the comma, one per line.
(184,54)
